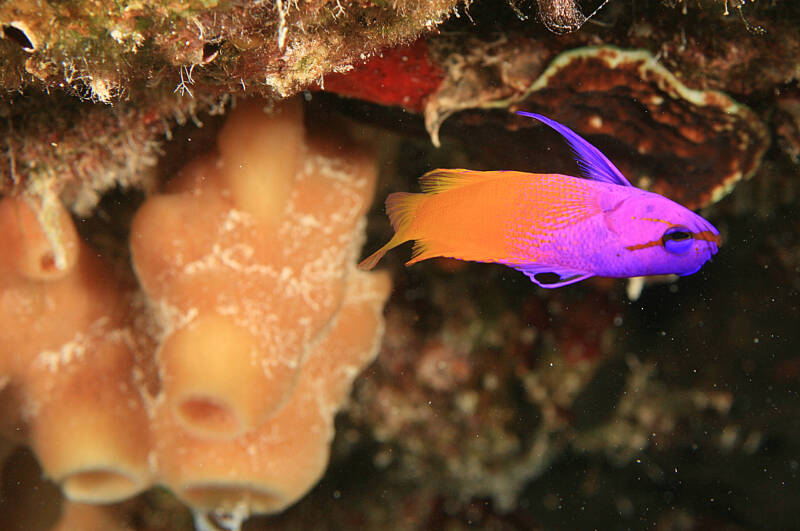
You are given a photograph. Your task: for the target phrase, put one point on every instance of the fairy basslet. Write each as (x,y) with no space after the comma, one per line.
(538,223)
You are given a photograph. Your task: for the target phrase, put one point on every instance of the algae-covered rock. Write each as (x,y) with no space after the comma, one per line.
(111,51)
(91,88)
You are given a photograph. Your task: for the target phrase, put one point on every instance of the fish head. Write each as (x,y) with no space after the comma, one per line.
(653,235)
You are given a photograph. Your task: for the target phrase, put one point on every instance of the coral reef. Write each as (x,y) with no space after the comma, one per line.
(162,65)
(210,371)
(223,383)
(506,401)
(495,403)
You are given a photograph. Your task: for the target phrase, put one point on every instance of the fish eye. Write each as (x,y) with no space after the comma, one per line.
(677,239)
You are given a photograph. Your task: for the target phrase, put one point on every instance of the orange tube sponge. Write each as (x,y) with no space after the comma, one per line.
(272,466)
(90,430)
(66,351)
(248,262)
(247,266)
(245,260)
(30,250)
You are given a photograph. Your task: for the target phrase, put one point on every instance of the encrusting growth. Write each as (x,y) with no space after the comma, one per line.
(262,321)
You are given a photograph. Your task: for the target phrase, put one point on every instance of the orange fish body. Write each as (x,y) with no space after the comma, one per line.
(465,222)
(496,216)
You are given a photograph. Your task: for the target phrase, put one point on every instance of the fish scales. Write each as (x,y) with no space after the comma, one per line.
(546,207)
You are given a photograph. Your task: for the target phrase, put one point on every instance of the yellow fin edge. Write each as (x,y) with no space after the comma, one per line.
(442,180)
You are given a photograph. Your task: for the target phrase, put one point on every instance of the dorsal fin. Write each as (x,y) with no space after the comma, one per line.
(441,180)
(593,164)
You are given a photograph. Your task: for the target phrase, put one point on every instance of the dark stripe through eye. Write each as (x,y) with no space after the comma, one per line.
(678,235)
(677,240)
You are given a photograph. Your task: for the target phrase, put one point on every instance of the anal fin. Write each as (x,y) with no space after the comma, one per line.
(426,249)
(565,276)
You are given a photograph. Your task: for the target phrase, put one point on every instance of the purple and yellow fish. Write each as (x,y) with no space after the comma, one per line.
(537,223)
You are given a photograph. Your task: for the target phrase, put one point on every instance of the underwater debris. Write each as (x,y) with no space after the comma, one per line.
(560,16)
(787,125)
(564,16)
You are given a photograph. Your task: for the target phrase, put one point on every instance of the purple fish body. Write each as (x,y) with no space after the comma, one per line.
(575,228)
(621,234)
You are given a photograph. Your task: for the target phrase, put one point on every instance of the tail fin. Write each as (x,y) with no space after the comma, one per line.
(401,208)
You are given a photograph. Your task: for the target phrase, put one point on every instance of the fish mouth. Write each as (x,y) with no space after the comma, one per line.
(710,237)
(705,231)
